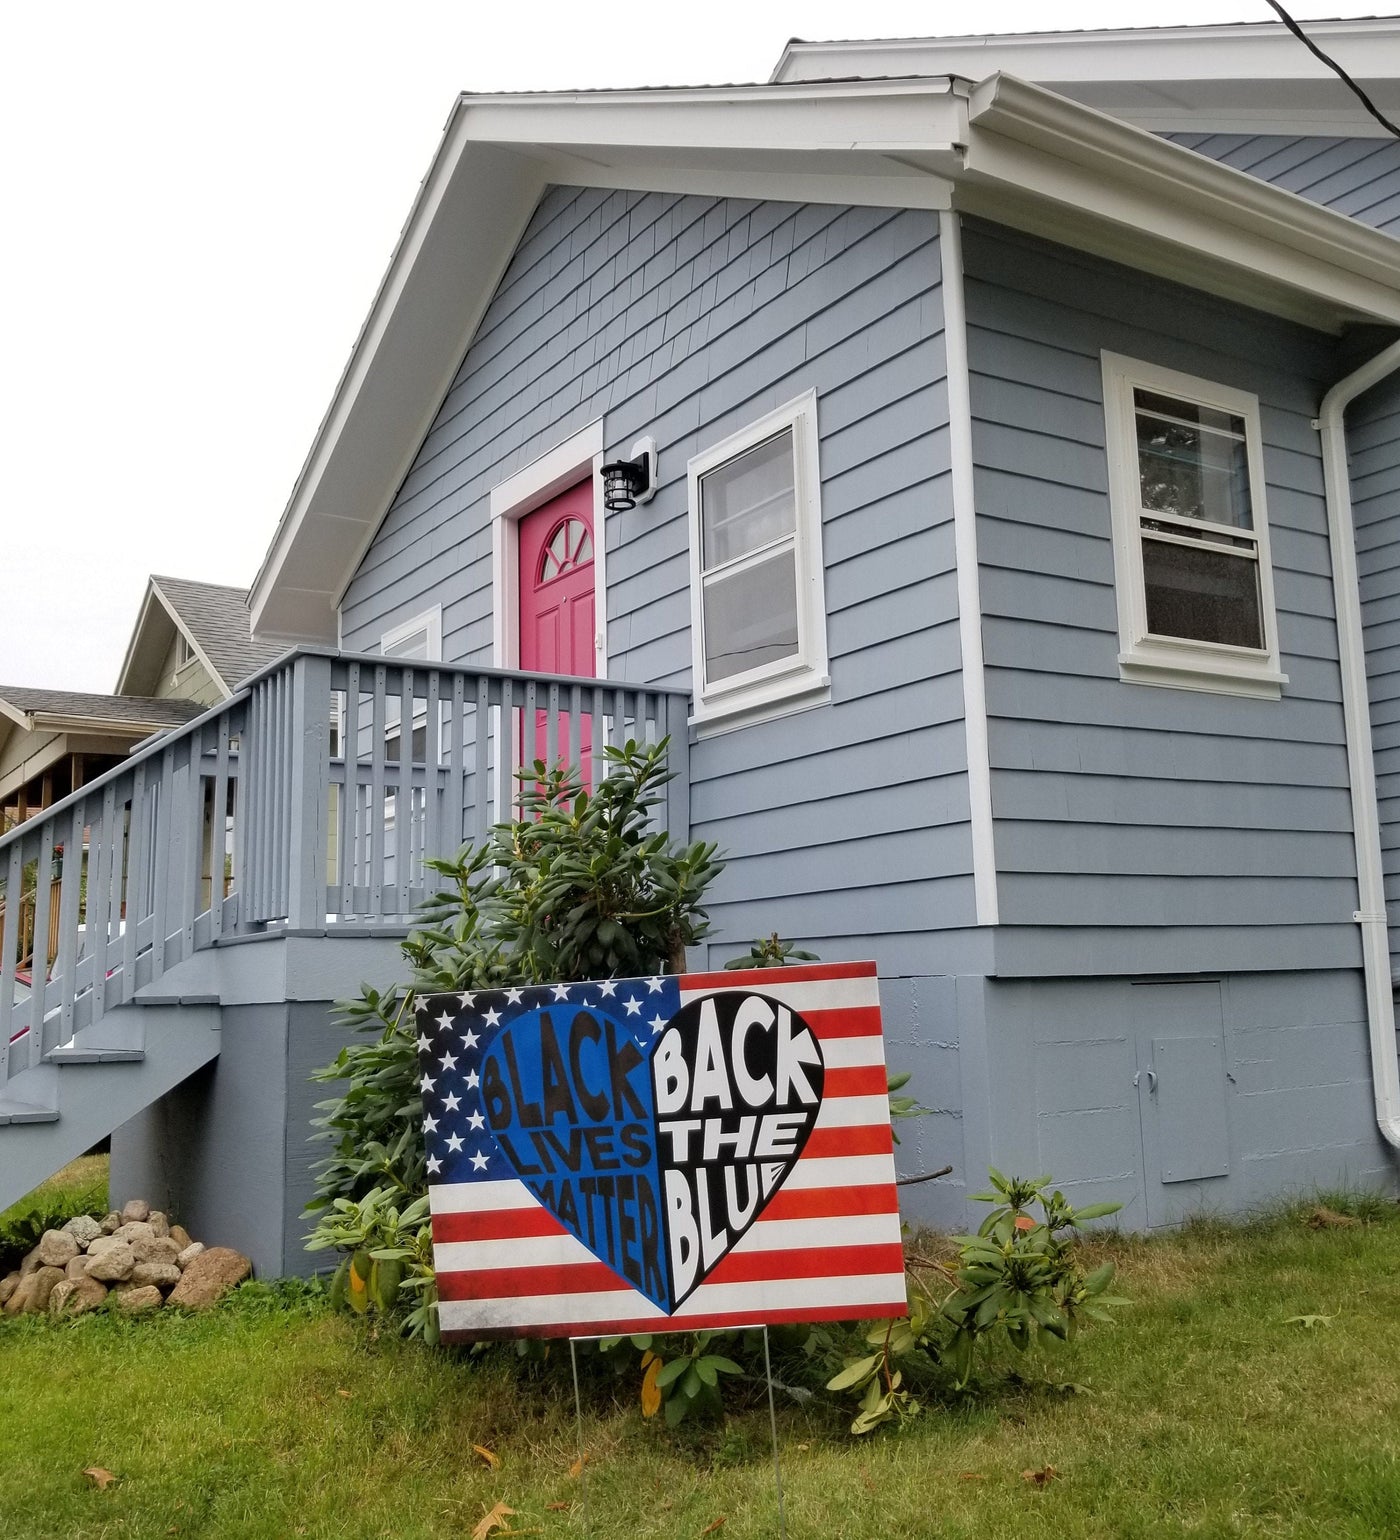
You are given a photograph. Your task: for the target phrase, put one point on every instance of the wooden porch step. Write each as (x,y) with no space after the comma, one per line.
(94,1055)
(12,1111)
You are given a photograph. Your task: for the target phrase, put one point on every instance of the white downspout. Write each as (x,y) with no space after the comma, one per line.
(1370,878)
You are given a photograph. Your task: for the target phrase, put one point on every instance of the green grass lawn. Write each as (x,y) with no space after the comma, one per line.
(1204,1412)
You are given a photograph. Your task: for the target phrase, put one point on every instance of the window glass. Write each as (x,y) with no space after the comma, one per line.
(748,503)
(751,616)
(1192,460)
(1201,592)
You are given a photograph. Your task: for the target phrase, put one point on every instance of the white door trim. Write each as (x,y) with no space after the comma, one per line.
(553,472)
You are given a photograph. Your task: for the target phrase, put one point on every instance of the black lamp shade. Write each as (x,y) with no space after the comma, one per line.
(624,481)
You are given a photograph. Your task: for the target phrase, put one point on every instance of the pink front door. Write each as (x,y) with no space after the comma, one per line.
(557,624)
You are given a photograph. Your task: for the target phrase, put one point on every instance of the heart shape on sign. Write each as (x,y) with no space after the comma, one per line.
(657,1152)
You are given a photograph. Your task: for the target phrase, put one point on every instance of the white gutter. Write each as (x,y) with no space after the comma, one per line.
(1370,877)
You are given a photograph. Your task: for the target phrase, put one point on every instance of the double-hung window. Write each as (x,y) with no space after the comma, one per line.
(758,617)
(1191,540)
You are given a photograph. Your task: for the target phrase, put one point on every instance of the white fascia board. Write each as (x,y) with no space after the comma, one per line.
(1368,48)
(134,646)
(16,714)
(1042,163)
(470,212)
(1248,78)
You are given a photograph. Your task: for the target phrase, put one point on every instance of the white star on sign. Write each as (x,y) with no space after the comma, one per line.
(454,1142)
(429,1125)
(492,1017)
(469,1039)
(445,1021)
(466,1002)
(434,1164)
(607,988)
(561,991)
(657,1023)
(447,1061)
(654,986)
(426,1083)
(479,1161)
(476,1121)
(513,997)
(473,1080)
(634,1007)
(451,1103)
(422,1045)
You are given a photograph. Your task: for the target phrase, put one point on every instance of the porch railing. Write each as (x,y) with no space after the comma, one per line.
(308,800)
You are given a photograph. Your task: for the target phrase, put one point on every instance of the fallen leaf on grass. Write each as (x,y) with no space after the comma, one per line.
(1308,1322)
(718,1523)
(489,1455)
(868,1479)
(971,1475)
(343,1394)
(576,1469)
(1324,1218)
(651,1391)
(99,1477)
(558,1507)
(492,1522)
(1040,1478)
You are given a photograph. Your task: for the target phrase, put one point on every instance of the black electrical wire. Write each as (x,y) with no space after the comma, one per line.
(1332,65)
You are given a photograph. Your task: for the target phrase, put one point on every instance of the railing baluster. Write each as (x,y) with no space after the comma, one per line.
(677,709)
(403,821)
(433,843)
(218,834)
(10,923)
(551,728)
(136,895)
(164,831)
(349,791)
(68,909)
(99,900)
(193,879)
(481,761)
(597,735)
(377,818)
(39,971)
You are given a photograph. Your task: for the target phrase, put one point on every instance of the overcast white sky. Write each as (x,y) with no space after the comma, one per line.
(198,203)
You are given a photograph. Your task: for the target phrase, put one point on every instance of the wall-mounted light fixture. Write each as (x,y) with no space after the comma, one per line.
(629,482)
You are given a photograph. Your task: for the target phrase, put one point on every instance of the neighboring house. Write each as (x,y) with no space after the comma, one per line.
(192,640)
(1018,588)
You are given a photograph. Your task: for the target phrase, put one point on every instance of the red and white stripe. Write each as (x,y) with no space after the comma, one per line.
(826,1247)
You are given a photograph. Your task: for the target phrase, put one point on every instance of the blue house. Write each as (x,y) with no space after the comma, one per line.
(1004,448)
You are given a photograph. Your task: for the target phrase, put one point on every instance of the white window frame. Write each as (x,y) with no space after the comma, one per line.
(1182,662)
(786,684)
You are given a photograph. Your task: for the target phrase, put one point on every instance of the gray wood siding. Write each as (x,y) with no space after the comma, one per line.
(1161,817)
(687,318)
(1374,441)
(1360,177)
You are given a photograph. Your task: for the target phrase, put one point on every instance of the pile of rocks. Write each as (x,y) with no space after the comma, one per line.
(136,1255)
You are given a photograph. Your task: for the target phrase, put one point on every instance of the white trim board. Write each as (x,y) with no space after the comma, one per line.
(553,472)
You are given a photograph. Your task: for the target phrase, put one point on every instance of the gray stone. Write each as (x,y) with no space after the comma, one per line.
(110,1223)
(76,1296)
(33,1292)
(133,1301)
(161,1249)
(83,1228)
(112,1264)
(181,1235)
(189,1253)
(164,1275)
(29,1262)
(134,1230)
(57,1248)
(77,1268)
(209,1276)
(8,1284)
(135,1209)
(103,1243)
(160,1223)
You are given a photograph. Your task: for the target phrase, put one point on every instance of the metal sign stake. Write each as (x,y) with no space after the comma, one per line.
(773,1424)
(582,1457)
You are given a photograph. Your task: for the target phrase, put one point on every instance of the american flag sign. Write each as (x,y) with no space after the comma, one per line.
(627,1155)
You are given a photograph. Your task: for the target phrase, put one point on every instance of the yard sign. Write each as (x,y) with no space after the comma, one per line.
(630,1155)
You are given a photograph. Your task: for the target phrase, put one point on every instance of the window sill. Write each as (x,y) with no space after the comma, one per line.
(1206,672)
(761,704)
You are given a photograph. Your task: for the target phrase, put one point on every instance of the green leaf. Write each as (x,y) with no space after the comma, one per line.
(854,1373)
